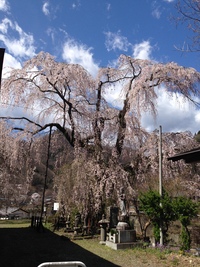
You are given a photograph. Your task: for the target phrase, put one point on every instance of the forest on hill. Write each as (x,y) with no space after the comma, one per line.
(80,182)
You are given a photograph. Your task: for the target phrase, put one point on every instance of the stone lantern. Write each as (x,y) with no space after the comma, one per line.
(103,225)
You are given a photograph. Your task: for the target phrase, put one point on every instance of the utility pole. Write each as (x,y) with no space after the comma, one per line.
(45,179)
(2,51)
(160,181)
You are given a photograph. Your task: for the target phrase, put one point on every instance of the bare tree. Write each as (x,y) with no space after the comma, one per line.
(189,11)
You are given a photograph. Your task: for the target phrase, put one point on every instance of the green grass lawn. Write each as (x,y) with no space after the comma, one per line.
(14,223)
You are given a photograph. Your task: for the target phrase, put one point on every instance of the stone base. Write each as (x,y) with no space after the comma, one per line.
(117,246)
(126,236)
(76,230)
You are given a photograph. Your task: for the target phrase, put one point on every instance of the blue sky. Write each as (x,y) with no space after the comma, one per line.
(94,33)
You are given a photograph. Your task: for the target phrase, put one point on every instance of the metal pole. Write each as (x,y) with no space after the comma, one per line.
(45,178)
(2,51)
(160,179)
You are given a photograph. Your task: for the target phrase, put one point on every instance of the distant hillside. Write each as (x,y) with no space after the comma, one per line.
(23,167)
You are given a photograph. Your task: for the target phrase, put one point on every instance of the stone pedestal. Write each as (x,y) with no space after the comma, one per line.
(103,234)
(76,230)
(122,239)
(126,236)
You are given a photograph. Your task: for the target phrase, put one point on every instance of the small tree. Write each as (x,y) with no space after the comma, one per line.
(159,210)
(185,210)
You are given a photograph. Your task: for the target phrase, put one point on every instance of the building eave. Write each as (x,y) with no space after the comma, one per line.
(190,156)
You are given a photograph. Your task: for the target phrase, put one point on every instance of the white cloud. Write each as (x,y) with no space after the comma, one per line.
(116,41)
(22,45)
(45,8)
(51,32)
(4,6)
(174,113)
(156,13)
(157,9)
(9,63)
(4,25)
(108,6)
(142,50)
(79,54)
(50,10)
(76,4)
(114,96)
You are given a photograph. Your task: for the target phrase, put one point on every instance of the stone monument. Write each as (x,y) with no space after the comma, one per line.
(124,237)
(123,224)
(103,225)
(77,223)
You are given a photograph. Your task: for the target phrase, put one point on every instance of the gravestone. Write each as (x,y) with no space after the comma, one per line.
(77,222)
(113,213)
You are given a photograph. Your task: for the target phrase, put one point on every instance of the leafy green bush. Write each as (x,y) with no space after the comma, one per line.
(185,209)
(163,210)
(159,210)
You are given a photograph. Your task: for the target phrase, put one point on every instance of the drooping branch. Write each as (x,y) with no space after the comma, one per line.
(40,128)
(75,102)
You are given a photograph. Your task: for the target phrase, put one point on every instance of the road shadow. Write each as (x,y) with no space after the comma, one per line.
(22,247)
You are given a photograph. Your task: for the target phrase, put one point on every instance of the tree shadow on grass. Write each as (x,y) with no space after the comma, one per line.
(25,247)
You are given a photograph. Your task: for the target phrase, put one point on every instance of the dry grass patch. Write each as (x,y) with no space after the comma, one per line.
(139,257)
